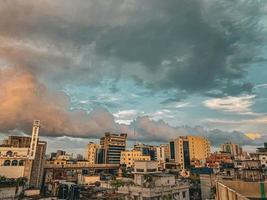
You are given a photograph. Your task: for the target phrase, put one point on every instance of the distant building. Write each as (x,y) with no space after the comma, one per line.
(129,157)
(91,152)
(60,153)
(162,155)
(113,145)
(233,149)
(24,157)
(79,157)
(187,149)
(261,155)
(149,183)
(147,150)
(215,159)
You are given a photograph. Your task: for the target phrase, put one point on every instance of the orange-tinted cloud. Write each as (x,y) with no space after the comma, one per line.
(23,98)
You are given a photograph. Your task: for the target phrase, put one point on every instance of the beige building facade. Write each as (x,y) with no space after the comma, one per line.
(187,149)
(24,157)
(129,157)
(91,152)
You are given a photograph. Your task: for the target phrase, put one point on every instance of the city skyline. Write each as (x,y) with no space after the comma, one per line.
(153,70)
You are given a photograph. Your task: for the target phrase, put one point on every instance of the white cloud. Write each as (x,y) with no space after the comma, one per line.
(125,113)
(182,105)
(161,114)
(126,116)
(261,86)
(258,120)
(241,104)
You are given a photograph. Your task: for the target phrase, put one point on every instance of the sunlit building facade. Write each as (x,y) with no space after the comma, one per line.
(186,149)
(113,145)
(24,157)
(129,157)
(91,152)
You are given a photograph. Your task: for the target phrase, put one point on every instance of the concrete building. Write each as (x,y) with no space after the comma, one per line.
(85,179)
(241,190)
(91,152)
(129,157)
(162,154)
(261,155)
(113,145)
(207,185)
(234,149)
(24,157)
(147,150)
(149,183)
(186,149)
(215,159)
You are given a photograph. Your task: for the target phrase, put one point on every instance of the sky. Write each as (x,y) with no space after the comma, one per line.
(154,69)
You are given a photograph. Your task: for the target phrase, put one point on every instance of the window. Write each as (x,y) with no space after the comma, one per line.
(140,170)
(184,194)
(21,163)
(9,153)
(14,163)
(151,170)
(7,163)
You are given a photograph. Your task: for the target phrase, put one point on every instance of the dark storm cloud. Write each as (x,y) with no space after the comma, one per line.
(196,46)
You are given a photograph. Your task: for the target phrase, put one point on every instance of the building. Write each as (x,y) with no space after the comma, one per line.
(186,149)
(129,157)
(207,185)
(261,155)
(24,157)
(241,190)
(233,149)
(113,145)
(162,155)
(215,159)
(85,179)
(149,183)
(147,150)
(60,153)
(91,152)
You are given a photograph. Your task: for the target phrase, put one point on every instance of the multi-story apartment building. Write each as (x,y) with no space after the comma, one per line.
(91,152)
(149,183)
(234,149)
(186,149)
(147,150)
(129,157)
(261,155)
(24,157)
(113,145)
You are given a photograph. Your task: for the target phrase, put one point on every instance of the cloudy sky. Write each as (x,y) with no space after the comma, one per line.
(154,69)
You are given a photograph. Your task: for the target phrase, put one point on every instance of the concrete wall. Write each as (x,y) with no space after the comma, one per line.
(244,190)
(206,184)
(83,179)
(12,171)
(165,180)
(9,192)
